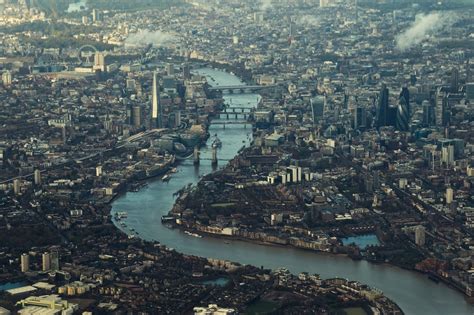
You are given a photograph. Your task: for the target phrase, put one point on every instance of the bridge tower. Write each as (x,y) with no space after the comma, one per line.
(214,156)
(196,155)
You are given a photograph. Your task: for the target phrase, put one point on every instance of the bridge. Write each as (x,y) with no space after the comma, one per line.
(243,89)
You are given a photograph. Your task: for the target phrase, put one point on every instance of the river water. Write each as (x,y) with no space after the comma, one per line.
(413,292)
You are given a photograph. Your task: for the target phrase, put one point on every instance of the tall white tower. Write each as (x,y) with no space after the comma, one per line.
(156,111)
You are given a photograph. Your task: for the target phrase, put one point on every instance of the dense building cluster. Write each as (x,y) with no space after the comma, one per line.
(364,129)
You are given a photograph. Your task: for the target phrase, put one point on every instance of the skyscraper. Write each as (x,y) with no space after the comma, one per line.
(317,108)
(25,263)
(37,177)
(156,110)
(441,102)
(54,255)
(403,110)
(46,259)
(382,110)
(136,118)
(454,80)
(99,61)
(428,113)
(360,117)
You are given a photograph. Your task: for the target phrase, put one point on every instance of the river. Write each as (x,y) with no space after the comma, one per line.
(413,292)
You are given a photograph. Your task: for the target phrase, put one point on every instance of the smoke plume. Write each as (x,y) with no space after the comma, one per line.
(424,26)
(265,4)
(156,38)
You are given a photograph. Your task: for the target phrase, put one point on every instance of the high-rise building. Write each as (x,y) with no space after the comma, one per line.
(470,91)
(156,109)
(186,72)
(7,78)
(177,118)
(454,80)
(46,259)
(449,195)
(360,117)
(136,116)
(170,69)
(25,262)
(447,155)
(96,15)
(420,235)
(403,110)
(428,113)
(16,186)
(441,104)
(98,170)
(99,61)
(54,254)
(383,109)
(37,177)
(317,108)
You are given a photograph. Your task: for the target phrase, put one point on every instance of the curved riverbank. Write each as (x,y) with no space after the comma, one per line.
(146,207)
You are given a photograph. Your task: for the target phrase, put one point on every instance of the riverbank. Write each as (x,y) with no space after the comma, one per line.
(227,239)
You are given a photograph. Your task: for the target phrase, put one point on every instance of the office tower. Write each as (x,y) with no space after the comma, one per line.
(156,110)
(454,80)
(403,110)
(360,117)
(46,258)
(99,61)
(54,259)
(449,195)
(420,235)
(25,263)
(37,177)
(383,109)
(96,15)
(98,170)
(137,116)
(447,155)
(428,113)
(317,108)
(186,72)
(7,78)
(85,20)
(441,102)
(177,118)
(16,186)
(170,69)
(470,91)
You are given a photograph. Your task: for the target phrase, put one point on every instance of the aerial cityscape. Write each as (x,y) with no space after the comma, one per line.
(237,157)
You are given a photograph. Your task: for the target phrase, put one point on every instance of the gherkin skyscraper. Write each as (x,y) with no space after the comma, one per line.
(403,110)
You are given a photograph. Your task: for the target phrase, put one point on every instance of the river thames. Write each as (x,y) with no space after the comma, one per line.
(413,292)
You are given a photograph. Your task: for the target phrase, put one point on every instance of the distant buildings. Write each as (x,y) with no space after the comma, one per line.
(213,309)
(46,304)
